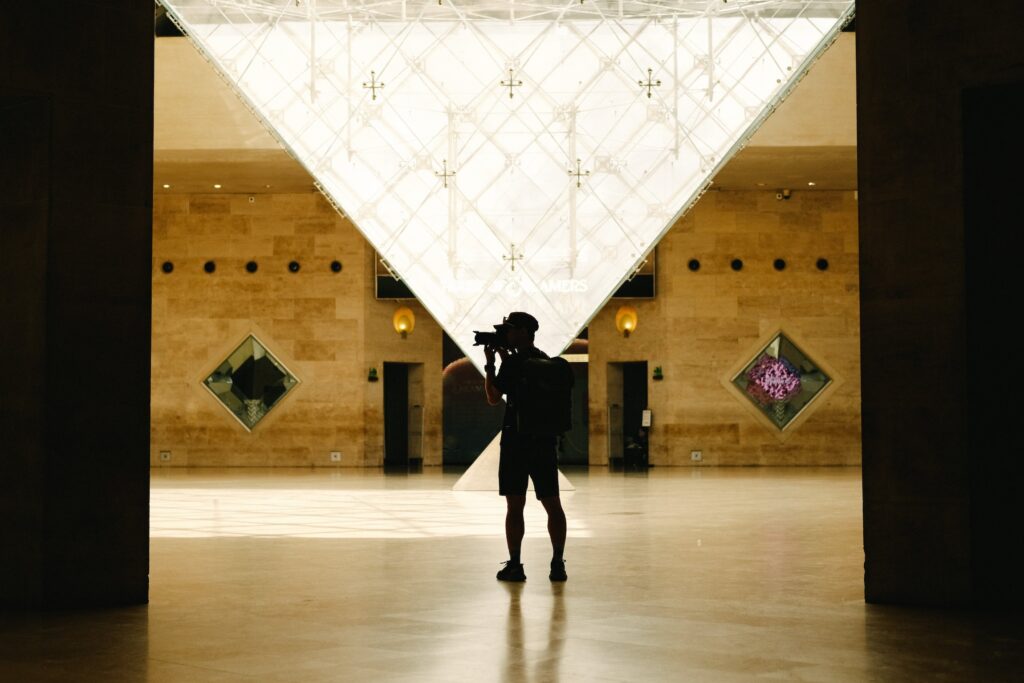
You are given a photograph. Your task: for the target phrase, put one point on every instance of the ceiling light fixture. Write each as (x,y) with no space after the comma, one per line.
(216,186)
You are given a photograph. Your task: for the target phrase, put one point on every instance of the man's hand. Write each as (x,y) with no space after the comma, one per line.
(503,352)
(489,355)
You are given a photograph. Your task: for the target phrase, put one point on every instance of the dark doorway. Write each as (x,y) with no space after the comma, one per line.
(403,416)
(627,400)
(396,415)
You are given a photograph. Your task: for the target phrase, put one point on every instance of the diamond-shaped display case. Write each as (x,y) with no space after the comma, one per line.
(781,381)
(250,382)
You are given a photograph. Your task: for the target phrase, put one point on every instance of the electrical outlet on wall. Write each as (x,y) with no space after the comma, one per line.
(697,456)
(335,456)
(165,456)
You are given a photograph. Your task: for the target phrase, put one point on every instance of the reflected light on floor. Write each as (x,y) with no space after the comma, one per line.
(721,575)
(304,513)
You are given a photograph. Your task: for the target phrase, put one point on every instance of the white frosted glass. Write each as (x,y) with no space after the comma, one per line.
(376,101)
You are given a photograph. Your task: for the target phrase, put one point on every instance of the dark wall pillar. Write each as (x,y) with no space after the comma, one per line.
(76,141)
(942,482)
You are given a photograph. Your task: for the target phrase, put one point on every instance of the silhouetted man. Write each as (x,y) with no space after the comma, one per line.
(523,455)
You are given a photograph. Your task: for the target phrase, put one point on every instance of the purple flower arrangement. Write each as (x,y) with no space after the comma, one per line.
(772,380)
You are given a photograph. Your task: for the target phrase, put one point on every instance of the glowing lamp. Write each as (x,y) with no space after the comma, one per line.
(404,321)
(625,320)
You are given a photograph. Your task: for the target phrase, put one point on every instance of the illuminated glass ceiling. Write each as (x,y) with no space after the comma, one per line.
(512,155)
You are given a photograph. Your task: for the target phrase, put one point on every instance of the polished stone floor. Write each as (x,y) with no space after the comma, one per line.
(353,575)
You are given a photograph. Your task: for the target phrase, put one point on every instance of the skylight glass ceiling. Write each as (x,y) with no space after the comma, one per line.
(505,155)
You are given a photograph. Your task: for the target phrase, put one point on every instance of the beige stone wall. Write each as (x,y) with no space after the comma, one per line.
(702,324)
(329,330)
(326,328)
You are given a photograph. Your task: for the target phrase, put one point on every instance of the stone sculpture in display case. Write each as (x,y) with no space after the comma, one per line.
(250,382)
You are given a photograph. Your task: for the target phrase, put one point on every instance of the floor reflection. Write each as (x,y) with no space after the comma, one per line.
(733,575)
(514,670)
(206,512)
(546,655)
(75,645)
(548,668)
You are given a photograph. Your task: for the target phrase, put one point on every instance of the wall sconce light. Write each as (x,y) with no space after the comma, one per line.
(625,320)
(404,321)
(372,377)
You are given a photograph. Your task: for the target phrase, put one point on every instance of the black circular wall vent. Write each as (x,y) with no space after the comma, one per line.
(737,264)
(294,266)
(822,264)
(209,266)
(780,264)
(251,266)
(693,265)
(167,267)
(336,266)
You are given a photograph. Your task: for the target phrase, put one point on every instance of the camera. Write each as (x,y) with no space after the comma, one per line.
(498,339)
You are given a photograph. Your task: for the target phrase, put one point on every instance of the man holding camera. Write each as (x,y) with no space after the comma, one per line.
(523,455)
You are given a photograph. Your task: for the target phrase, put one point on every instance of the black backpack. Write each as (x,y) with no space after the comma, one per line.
(544,403)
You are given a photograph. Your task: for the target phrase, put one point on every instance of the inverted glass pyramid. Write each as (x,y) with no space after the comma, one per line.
(512,155)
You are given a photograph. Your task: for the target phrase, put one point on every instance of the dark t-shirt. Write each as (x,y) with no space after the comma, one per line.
(507,380)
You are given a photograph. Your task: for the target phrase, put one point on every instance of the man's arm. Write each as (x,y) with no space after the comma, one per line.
(494,394)
(494,385)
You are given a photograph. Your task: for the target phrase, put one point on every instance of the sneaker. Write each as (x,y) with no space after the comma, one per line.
(557,571)
(511,572)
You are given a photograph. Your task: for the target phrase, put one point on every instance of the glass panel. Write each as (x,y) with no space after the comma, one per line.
(512,156)
(781,380)
(250,382)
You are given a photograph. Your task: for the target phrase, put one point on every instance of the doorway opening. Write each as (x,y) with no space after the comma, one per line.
(403,416)
(627,401)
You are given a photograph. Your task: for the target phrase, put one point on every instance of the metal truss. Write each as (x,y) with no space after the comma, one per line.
(512,155)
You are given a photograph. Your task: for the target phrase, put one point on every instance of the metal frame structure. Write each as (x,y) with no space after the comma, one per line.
(580,164)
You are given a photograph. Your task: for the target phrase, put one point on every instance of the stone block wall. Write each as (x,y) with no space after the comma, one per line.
(325,327)
(701,324)
(329,330)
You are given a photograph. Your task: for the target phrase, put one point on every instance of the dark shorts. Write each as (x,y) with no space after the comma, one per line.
(526,455)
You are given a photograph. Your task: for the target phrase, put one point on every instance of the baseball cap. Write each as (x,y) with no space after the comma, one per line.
(521,320)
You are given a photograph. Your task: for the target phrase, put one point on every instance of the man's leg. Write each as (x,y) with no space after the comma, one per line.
(515,527)
(544,471)
(514,530)
(512,483)
(556,530)
(556,524)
